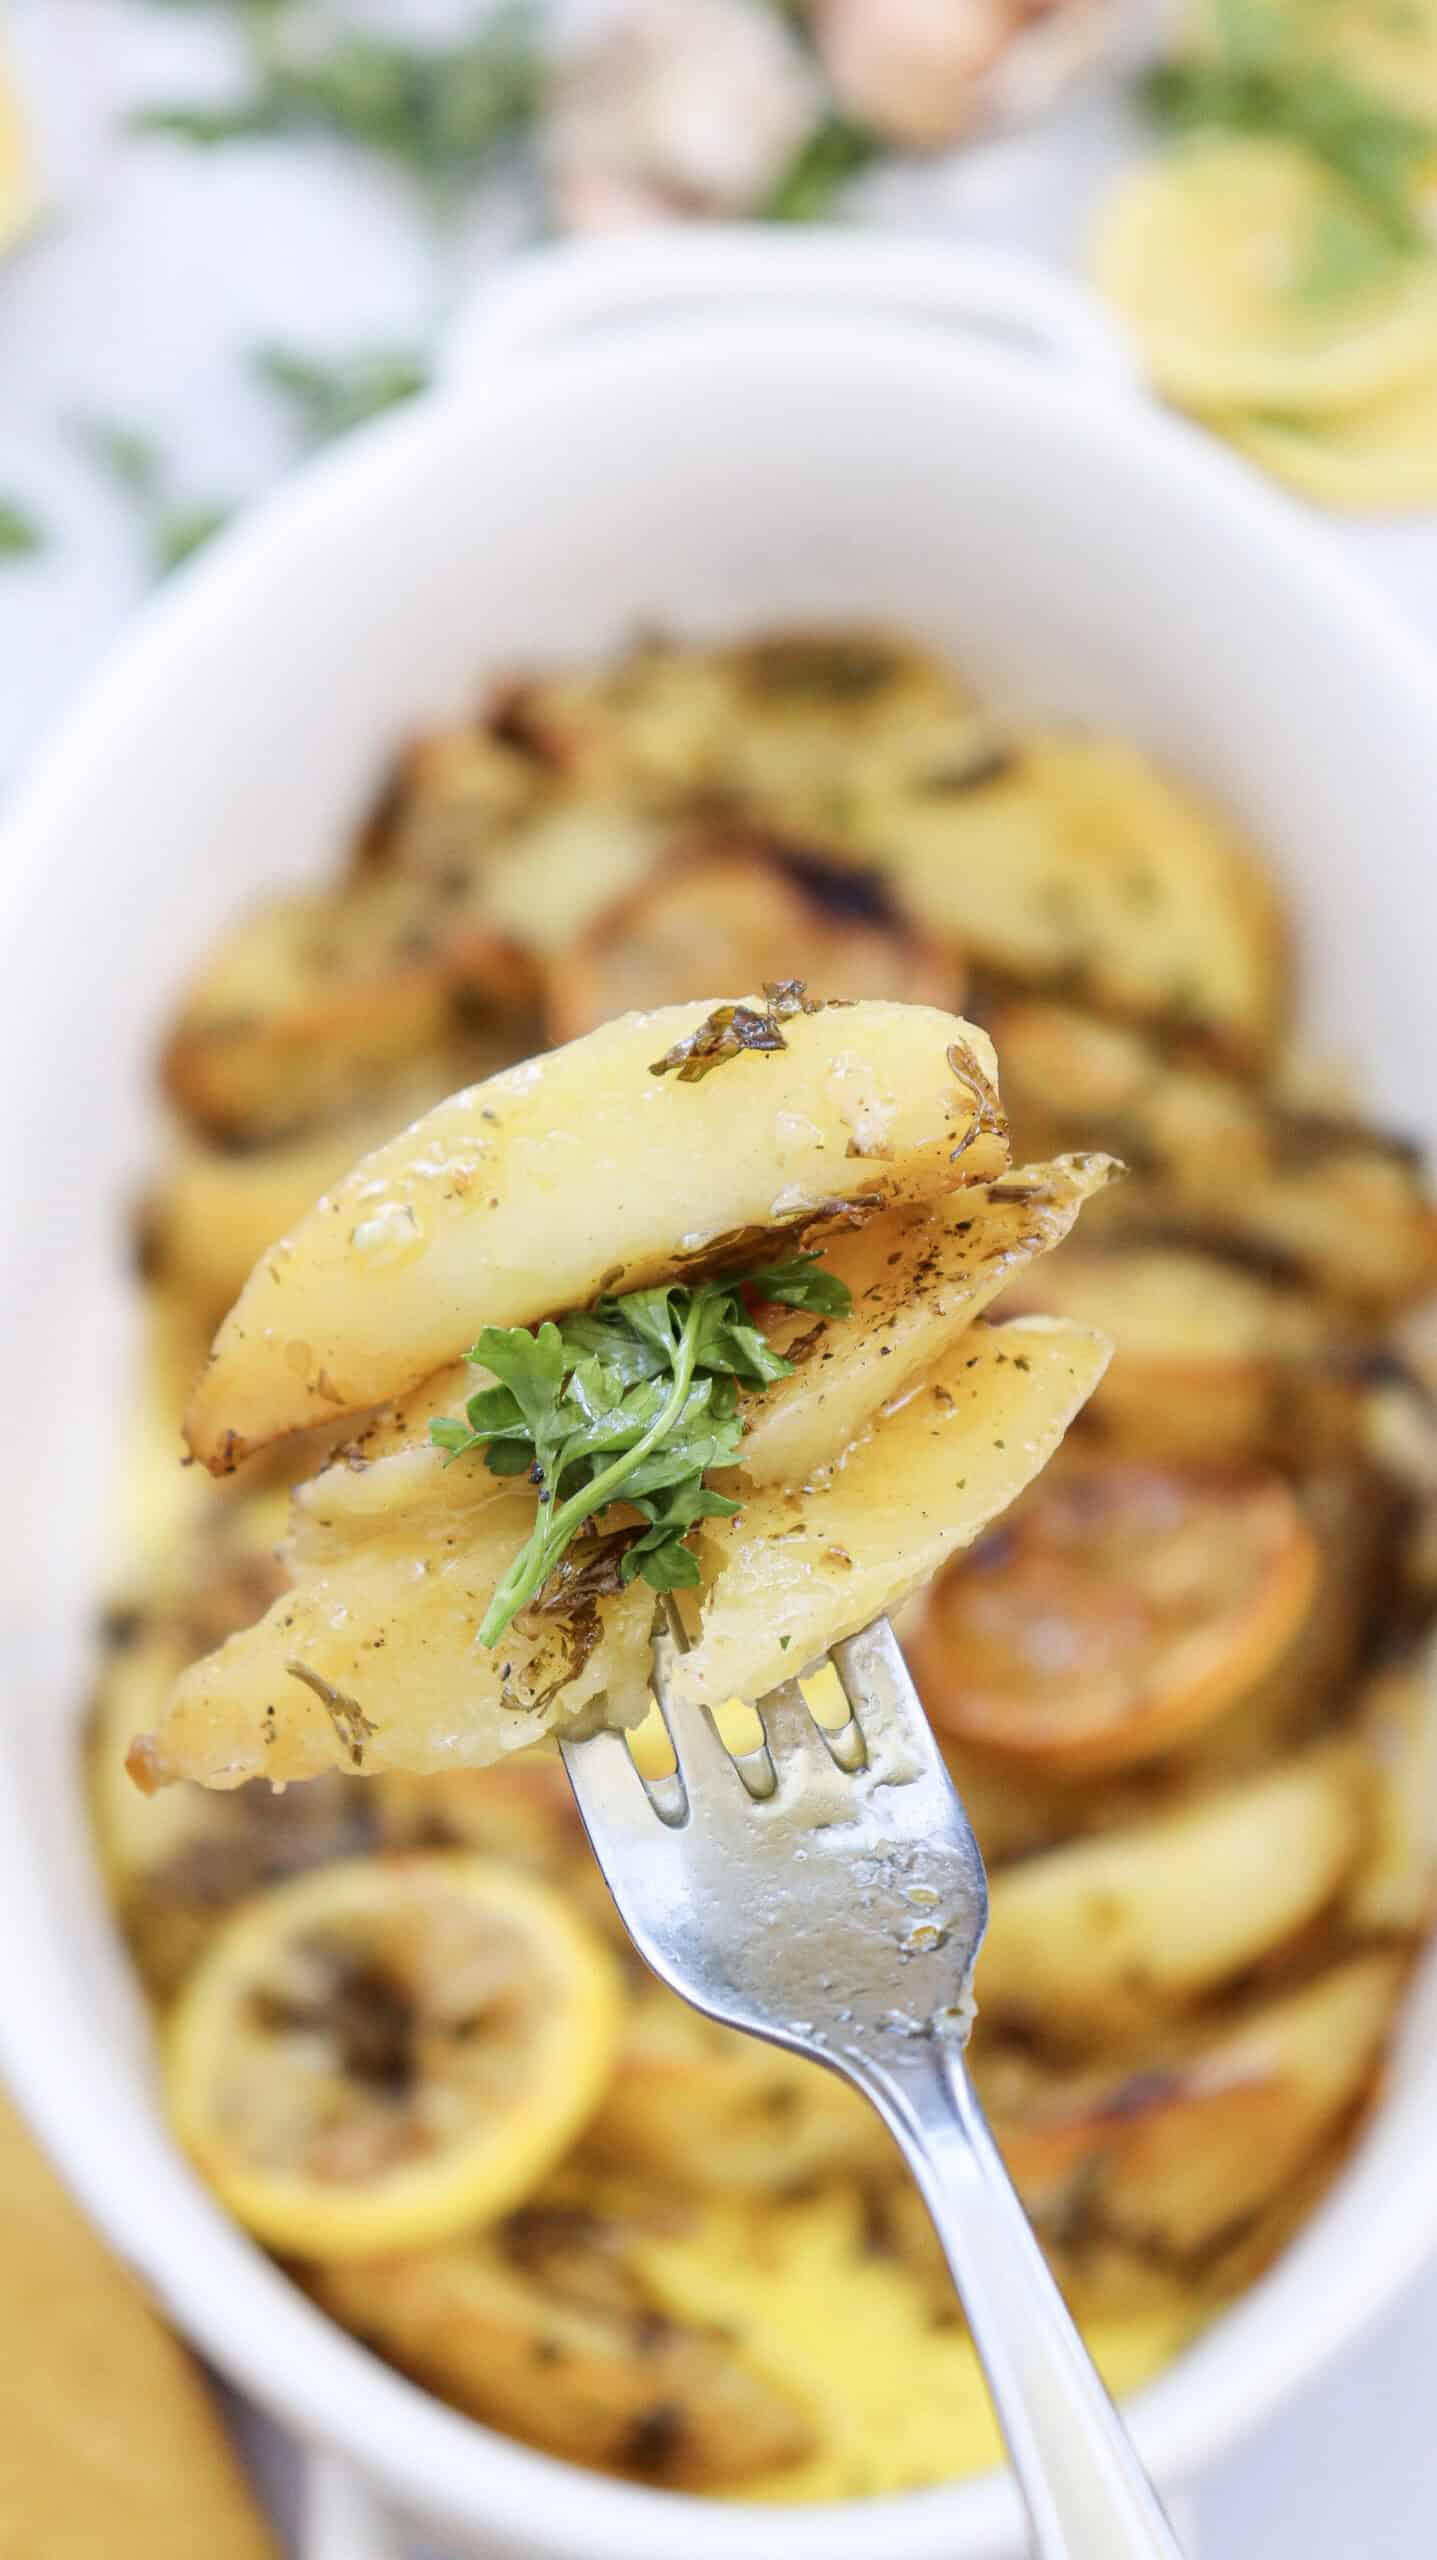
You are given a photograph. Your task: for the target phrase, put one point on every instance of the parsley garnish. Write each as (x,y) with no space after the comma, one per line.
(633,1402)
(173,529)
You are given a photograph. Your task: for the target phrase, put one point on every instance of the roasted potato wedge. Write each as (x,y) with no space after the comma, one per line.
(547,2327)
(1310,1183)
(318,992)
(797,1571)
(587,1170)
(1394,1886)
(1122,1607)
(703,2108)
(738,908)
(1179,2152)
(1105,1939)
(175,1864)
(370,1661)
(205,1223)
(919,1278)
(1211,1361)
(1074,863)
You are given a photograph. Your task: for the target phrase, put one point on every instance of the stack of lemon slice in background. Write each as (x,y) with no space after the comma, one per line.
(1266,294)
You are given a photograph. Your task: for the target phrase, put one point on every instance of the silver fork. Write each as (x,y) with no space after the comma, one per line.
(826,1892)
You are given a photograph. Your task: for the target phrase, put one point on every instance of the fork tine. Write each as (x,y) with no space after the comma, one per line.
(800,1752)
(608,1790)
(879,1689)
(705,1761)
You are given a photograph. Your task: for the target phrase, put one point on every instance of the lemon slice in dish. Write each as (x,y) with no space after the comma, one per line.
(1381,457)
(1207,254)
(389,2051)
(1120,1608)
(17,171)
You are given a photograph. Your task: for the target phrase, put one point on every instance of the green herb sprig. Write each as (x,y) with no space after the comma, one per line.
(20,533)
(634,1402)
(442,112)
(173,529)
(837,151)
(328,395)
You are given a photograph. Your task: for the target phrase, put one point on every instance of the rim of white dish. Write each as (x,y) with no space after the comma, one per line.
(249,2318)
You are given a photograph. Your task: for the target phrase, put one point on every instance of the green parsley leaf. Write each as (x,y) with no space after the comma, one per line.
(329,396)
(177,533)
(635,1400)
(441,111)
(20,534)
(837,151)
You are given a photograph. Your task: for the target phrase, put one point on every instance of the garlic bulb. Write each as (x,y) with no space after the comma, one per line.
(923,73)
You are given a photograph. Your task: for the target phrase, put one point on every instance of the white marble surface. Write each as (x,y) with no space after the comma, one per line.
(156,270)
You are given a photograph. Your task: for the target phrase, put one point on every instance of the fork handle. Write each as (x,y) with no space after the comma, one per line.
(1088,2496)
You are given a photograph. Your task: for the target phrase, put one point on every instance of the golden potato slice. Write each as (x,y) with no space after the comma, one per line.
(1211,1360)
(919,1278)
(738,908)
(1122,1607)
(372,1662)
(586,1170)
(800,1569)
(1075,860)
(1309,1183)
(550,882)
(1177,2153)
(706,2109)
(206,1221)
(174,1864)
(450,801)
(548,2329)
(1105,1937)
(1393,1887)
(316,992)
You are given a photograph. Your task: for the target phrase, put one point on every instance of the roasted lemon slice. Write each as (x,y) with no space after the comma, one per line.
(1206,253)
(1379,458)
(389,2051)
(1121,1607)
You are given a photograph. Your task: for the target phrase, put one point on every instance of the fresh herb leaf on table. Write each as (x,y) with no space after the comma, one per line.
(441,111)
(329,395)
(20,534)
(836,151)
(633,1402)
(173,529)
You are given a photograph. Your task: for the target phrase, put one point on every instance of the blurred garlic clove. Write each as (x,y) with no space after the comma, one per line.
(683,106)
(923,73)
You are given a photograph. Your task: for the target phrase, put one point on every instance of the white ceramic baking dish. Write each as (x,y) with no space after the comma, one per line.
(712,433)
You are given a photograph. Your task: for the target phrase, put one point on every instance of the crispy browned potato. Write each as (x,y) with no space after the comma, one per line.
(1309,1183)
(919,1277)
(1394,1885)
(1123,1606)
(704,2108)
(1074,862)
(1180,2150)
(547,2328)
(1107,1939)
(319,992)
(588,1170)
(739,908)
(1211,1360)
